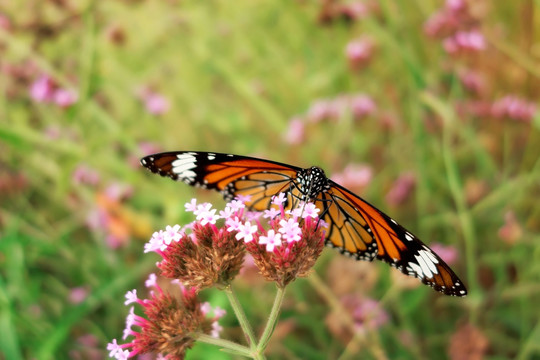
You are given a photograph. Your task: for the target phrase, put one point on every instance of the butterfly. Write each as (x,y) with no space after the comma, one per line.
(355,227)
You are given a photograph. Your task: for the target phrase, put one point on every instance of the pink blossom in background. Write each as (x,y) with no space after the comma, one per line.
(401,189)
(65,97)
(156,104)
(296,132)
(367,314)
(362,105)
(510,232)
(5,23)
(42,90)
(455,5)
(465,41)
(354,10)
(117,191)
(448,253)
(359,52)
(85,175)
(354,176)
(472,81)
(78,294)
(514,108)
(319,111)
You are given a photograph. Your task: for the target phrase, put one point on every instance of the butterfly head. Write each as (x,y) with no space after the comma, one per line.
(311,182)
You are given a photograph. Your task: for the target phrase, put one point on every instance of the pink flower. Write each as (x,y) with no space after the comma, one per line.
(310,210)
(359,52)
(449,253)
(85,175)
(356,176)
(296,132)
(42,90)
(362,106)
(514,108)
(271,213)
(271,240)
(290,229)
(472,81)
(233,224)
(465,41)
(209,217)
(151,281)
(131,297)
(171,234)
(156,104)
(191,206)
(279,199)
(246,232)
(78,294)
(401,189)
(510,232)
(65,97)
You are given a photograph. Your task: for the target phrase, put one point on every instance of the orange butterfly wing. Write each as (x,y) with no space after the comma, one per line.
(232,175)
(360,230)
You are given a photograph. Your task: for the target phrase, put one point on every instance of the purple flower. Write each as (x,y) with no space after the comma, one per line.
(362,106)
(156,104)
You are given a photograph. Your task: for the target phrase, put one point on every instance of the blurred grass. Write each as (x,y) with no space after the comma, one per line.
(235,75)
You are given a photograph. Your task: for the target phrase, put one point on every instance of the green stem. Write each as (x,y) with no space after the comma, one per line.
(272,320)
(225,344)
(242,319)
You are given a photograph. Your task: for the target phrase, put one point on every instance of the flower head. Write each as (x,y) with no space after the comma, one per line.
(168,326)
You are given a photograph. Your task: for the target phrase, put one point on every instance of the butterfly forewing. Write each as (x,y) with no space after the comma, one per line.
(400,248)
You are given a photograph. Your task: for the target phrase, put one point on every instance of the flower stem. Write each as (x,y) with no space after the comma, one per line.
(241,316)
(272,320)
(225,344)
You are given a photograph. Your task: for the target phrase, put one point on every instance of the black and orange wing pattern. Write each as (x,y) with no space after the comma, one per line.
(231,175)
(360,230)
(355,227)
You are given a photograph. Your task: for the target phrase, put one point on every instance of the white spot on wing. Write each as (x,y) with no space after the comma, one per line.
(211,156)
(426,271)
(408,236)
(183,166)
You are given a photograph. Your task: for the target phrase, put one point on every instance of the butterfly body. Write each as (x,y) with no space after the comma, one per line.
(355,227)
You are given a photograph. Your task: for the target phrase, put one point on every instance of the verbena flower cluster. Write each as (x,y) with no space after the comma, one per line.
(210,252)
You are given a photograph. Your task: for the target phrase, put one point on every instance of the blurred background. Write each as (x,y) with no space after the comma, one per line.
(428,109)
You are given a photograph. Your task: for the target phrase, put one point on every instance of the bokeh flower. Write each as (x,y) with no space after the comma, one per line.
(401,189)
(359,52)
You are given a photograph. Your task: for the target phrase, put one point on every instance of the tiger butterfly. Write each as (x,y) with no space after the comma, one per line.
(355,227)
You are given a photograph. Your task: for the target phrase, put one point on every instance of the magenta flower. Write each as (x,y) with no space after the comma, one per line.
(42,90)
(65,97)
(465,41)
